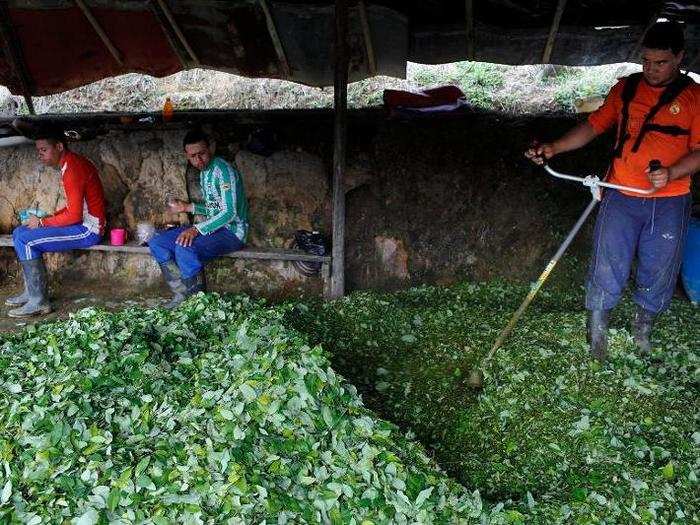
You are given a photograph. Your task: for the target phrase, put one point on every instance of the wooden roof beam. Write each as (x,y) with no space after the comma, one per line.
(100,32)
(366,32)
(13,53)
(553,30)
(178,32)
(276,41)
(469,19)
(167,31)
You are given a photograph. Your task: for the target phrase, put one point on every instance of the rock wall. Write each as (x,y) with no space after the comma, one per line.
(433,200)
(287,190)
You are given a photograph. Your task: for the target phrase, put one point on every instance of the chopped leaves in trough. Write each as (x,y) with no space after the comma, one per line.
(228,411)
(553,435)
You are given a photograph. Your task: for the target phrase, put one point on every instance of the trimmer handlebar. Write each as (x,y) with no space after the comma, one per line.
(594,182)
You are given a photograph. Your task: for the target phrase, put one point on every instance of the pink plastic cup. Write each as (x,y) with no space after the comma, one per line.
(117,237)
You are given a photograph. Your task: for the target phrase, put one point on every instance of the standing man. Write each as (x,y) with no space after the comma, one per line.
(657,113)
(182,252)
(79,224)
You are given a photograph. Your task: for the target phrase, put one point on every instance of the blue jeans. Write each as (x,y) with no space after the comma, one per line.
(191,259)
(30,243)
(653,229)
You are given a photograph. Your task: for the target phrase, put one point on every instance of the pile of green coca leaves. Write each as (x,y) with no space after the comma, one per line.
(228,410)
(214,413)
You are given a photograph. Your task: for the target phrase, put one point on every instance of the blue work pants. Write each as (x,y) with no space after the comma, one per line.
(191,259)
(653,230)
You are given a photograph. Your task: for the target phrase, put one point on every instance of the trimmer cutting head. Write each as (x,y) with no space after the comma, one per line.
(475,381)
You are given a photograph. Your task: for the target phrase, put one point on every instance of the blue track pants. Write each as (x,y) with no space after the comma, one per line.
(30,243)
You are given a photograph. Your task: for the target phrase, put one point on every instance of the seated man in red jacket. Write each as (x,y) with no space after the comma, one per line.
(79,224)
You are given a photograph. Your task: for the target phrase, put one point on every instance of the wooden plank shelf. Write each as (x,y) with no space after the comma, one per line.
(251,253)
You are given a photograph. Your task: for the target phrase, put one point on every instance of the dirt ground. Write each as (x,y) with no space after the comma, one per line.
(67,300)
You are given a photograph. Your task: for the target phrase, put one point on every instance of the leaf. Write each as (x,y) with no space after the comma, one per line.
(598,498)
(145,482)
(57,433)
(327,416)
(423,495)
(89,517)
(6,492)
(113,499)
(248,392)
(580,426)
(141,466)
(668,471)
(226,414)
(530,500)
(124,478)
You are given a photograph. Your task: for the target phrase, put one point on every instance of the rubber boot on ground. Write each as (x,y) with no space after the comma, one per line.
(171,274)
(20,299)
(194,284)
(642,324)
(598,334)
(36,282)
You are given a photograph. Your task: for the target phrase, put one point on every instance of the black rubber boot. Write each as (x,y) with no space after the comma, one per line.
(35,280)
(194,284)
(171,274)
(641,329)
(598,333)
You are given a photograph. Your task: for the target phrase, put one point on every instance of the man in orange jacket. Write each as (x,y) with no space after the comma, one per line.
(79,224)
(657,113)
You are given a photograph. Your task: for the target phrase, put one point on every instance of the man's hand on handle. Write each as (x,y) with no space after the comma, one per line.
(575,138)
(658,176)
(540,152)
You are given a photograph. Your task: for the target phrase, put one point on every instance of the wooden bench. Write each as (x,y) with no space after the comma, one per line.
(266,254)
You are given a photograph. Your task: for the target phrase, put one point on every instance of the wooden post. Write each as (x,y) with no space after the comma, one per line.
(340,102)
(276,42)
(178,32)
(366,32)
(547,55)
(469,18)
(100,32)
(13,52)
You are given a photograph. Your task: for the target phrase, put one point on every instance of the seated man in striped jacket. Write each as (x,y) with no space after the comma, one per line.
(79,224)
(182,252)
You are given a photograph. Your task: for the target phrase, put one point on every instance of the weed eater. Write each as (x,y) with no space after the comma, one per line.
(475,379)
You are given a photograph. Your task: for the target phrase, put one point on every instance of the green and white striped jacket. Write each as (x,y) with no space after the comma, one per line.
(224,204)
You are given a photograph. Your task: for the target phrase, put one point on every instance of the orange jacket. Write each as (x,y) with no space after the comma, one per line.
(629,168)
